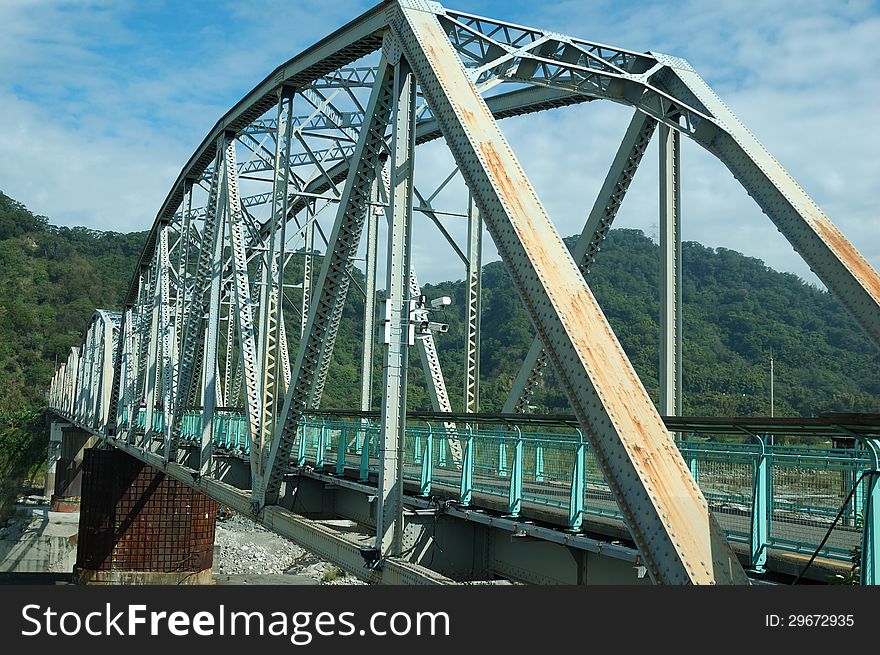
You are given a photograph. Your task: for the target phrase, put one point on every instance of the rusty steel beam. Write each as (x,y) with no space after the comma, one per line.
(664,509)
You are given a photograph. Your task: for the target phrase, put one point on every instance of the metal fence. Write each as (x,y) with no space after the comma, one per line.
(765,496)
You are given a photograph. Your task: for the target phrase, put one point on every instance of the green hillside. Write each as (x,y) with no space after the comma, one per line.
(51,280)
(735,310)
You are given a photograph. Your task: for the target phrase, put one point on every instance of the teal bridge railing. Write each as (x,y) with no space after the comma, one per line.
(766,496)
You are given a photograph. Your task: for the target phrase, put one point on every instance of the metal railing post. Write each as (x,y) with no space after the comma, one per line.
(578,485)
(340,452)
(427,467)
(502,459)
(514,494)
(322,444)
(870,565)
(692,458)
(859,496)
(243,437)
(301,446)
(760,510)
(217,430)
(365,456)
(466,489)
(539,462)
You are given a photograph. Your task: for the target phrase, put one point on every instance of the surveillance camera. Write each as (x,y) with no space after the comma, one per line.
(442,301)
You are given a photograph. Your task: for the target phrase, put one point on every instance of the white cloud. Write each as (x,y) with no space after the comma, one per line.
(804,80)
(102,108)
(104,101)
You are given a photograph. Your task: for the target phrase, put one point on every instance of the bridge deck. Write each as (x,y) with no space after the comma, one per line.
(532,471)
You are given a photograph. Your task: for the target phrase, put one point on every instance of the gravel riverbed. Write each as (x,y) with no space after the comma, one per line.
(243,547)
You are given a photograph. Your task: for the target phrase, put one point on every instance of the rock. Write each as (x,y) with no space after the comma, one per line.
(242,546)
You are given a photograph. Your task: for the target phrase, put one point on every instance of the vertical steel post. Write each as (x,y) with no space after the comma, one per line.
(125,382)
(670,273)
(539,462)
(427,463)
(243,312)
(578,486)
(166,337)
(474,294)
(515,489)
(694,467)
(309,236)
(270,353)
(209,366)
(365,456)
(398,338)
(369,337)
(870,565)
(182,304)
(229,367)
(153,355)
(858,497)
(340,451)
(760,510)
(466,488)
(869,573)
(301,448)
(321,447)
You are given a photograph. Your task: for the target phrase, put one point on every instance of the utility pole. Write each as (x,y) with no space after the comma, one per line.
(772,438)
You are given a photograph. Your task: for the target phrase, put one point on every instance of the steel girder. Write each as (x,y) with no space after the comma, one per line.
(474,312)
(670,273)
(398,332)
(669,90)
(272,383)
(207,335)
(151,368)
(370,260)
(244,306)
(545,70)
(206,270)
(664,509)
(332,285)
(613,191)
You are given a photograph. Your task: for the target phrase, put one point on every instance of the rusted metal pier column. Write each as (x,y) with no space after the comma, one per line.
(138,526)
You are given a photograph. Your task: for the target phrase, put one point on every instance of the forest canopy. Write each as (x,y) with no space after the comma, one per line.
(736,309)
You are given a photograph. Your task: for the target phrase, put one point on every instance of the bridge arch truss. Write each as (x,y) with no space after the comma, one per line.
(319,159)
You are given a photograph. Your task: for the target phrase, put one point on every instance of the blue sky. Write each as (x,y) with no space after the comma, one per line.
(102,101)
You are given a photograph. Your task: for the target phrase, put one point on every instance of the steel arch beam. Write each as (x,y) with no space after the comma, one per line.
(332,284)
(558,70)
(812,234)
(617,181)
(668,89)
(663,507)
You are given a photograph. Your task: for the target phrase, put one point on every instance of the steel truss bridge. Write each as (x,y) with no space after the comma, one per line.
(197,378)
